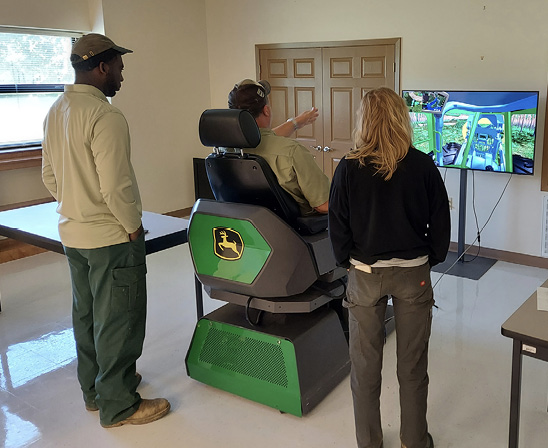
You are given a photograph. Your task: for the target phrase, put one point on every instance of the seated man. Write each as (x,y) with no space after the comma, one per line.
(293,164)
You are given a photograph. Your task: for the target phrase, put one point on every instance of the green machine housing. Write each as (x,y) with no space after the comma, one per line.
(247,256)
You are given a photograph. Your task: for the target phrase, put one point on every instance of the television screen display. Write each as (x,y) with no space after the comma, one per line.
(478,130)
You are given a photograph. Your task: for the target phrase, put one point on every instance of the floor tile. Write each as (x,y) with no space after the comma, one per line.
(41,404)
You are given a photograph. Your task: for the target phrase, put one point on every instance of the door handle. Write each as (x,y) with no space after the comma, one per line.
(327,149)
(317,148)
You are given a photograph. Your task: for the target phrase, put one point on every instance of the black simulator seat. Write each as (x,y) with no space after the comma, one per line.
(246,189)
(251,180)
(251,248)
(248,179)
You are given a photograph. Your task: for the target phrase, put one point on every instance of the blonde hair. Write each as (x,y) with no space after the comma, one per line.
(383,132)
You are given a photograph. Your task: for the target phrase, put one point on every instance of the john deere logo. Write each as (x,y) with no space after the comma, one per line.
(228,243)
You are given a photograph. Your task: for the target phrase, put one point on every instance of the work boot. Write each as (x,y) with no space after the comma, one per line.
(149,411)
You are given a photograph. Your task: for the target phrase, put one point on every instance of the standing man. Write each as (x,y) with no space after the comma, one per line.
(86,167)
(292,163)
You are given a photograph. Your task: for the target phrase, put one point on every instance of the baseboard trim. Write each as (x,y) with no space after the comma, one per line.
(502,255)
(11,250)
(182,213)
(25,204)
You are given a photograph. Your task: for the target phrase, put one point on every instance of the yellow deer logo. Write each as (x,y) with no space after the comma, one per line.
(228,243)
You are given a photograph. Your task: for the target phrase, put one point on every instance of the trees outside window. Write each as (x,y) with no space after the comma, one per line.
(33,71)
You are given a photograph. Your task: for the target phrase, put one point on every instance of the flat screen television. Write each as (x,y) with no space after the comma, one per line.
(478,130)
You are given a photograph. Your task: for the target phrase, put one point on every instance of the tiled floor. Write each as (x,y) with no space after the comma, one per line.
(41,405)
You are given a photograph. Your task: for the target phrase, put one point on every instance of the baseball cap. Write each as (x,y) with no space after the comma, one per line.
(91,45)
(249,95)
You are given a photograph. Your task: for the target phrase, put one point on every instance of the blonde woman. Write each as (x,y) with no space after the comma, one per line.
(389,224)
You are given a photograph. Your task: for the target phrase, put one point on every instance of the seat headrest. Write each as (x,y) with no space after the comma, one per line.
(229,128)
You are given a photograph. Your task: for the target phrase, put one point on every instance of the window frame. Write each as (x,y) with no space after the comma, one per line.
(29,154)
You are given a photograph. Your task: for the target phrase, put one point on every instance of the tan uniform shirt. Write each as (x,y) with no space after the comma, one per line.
(86,167)
(295,169)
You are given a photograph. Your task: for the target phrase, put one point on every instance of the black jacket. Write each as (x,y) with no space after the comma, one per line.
(373,219)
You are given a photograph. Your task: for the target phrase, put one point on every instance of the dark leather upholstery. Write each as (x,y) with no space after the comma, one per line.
(229,128)
(248,179)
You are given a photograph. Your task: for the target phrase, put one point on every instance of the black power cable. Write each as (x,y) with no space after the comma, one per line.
(248,317)
(479,232)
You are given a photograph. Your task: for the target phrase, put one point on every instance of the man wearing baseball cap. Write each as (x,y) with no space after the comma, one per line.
(86,167)
(293,164)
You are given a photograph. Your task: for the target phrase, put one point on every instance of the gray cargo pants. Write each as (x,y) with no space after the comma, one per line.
(412,297)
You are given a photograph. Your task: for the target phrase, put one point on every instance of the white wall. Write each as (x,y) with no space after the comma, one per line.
(73,15)
(494,44)
(165,90)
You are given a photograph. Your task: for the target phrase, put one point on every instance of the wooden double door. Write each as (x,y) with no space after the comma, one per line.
(331,78)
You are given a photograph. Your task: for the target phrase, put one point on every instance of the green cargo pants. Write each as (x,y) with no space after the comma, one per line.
(108,315)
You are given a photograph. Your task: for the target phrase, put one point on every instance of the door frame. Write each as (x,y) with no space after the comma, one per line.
(396,41)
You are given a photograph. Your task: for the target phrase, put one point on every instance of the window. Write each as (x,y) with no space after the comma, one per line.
(33,71)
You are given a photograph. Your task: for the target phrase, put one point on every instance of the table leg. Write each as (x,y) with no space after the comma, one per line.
(199,298)
(515,395)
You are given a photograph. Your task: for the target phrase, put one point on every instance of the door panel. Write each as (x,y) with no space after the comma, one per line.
(279,102)
(296,80)
(333,79)
(305,99)
(348,73)
(342,105)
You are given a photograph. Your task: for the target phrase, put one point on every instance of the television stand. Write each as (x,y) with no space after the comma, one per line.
(476,267)
(473,269)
